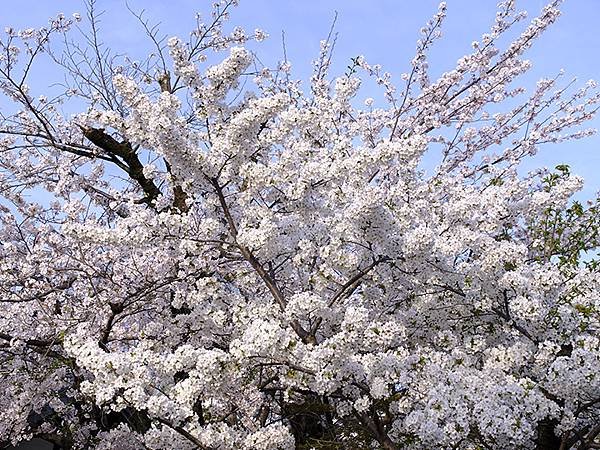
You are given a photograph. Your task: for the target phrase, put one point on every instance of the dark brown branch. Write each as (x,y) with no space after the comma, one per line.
(377,430)
(255,263)
(41,346)
(41,295)
(346,290)
(186,434)
(505,314)
(125,151)
(31,342)
(179,195)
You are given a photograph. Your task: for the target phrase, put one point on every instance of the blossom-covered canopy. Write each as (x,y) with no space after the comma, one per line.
(221,257)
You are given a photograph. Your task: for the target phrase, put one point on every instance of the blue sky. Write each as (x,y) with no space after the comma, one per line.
(384,31)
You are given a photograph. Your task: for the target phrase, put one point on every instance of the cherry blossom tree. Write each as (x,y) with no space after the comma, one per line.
(216,256)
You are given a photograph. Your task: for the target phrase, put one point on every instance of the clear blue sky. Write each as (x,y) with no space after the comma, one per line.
(384,31)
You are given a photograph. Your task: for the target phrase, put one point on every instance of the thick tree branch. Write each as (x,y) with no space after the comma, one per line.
(125,151)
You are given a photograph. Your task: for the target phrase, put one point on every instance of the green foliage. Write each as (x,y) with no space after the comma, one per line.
(567,234)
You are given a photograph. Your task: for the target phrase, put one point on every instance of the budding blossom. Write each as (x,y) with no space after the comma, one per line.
(217,265)
(260,35)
